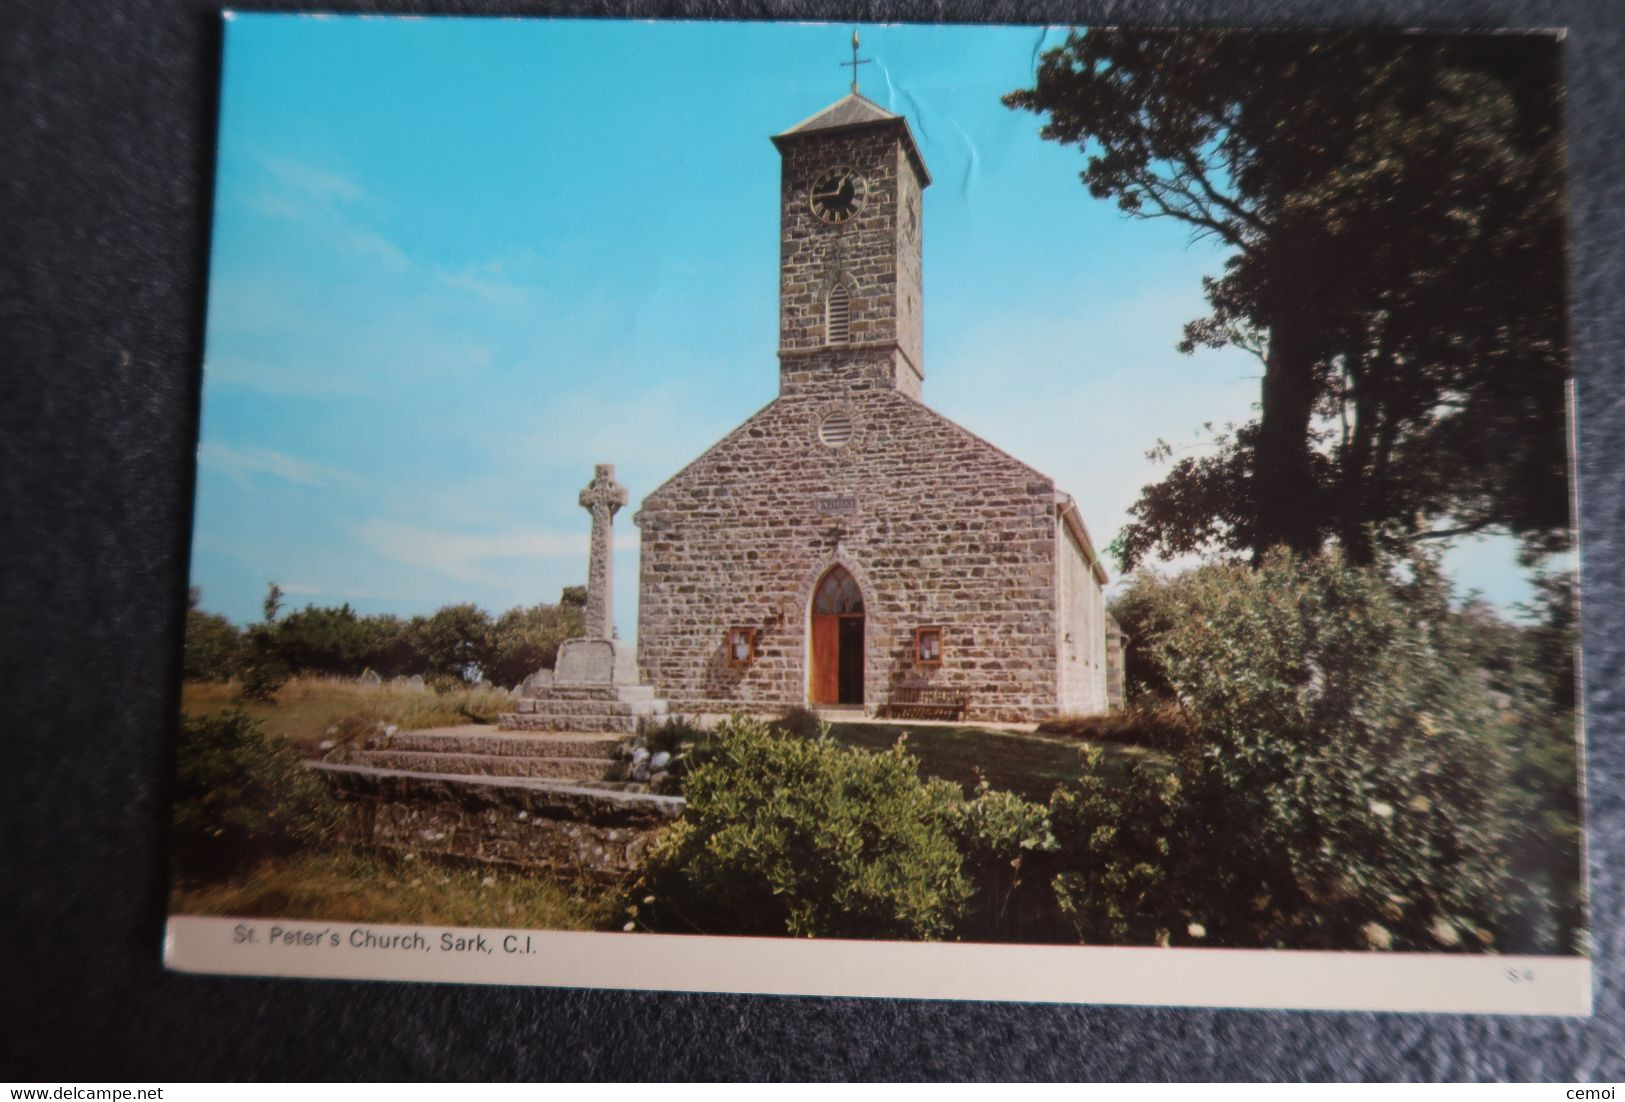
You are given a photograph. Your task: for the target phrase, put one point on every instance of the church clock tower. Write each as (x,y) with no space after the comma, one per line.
(850,210)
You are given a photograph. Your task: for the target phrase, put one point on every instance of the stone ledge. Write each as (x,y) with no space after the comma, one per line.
(547,799)
(589,708)
(542,767)
(612,724)
(493,741)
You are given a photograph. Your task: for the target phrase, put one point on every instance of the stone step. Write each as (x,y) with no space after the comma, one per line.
(598,770)
(617,725)
(595,692)
(590,708)
(536,796)
(493,741)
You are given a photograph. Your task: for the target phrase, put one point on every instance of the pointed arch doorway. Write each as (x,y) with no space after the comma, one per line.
(837,639)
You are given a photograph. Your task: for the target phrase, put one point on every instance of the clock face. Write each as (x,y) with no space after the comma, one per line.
(911,220)
(837,195)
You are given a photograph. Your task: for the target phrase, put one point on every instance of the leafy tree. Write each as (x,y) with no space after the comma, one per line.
(524,640)
(1392,207)
(260,667)
(323,640)
(213,643)
(453,641)
(389,647)
(273,602)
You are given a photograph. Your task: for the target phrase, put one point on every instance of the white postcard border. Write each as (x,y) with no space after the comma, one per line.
(1233,978)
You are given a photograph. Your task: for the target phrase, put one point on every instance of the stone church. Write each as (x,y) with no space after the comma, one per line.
(846,545)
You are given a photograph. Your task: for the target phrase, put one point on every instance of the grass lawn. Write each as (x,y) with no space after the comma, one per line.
(306,707)
(351,887)
(1028,765)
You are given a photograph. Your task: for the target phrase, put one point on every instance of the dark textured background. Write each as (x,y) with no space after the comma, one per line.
(107,112)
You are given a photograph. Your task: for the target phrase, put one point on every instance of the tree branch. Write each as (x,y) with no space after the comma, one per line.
(1449,533)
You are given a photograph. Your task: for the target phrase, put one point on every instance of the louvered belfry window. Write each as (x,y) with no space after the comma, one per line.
(838,329)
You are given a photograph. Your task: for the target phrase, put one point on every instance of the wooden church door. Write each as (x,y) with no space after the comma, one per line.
(837,639)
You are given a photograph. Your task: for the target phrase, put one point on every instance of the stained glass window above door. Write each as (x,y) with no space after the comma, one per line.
(838,594)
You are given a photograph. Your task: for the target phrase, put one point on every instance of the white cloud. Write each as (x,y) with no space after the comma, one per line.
(373,245)
(291,190)
(238,463)
(490,283)
(472,557)
(292,174)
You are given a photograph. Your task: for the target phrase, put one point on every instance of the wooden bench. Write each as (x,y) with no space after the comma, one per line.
(925,703)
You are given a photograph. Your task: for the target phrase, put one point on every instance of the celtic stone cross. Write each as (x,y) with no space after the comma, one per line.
(603,497)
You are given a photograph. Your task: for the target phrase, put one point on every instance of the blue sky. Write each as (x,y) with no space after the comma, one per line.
(457,262)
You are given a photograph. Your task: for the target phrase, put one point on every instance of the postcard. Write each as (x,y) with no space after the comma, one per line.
(1038,513)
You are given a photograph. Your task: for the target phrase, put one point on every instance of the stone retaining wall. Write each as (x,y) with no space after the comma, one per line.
(568,831)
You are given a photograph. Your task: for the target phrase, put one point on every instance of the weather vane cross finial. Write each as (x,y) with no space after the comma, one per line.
(855,62)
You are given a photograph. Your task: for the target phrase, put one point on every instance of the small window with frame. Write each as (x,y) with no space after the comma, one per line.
(928,646)
(741,646)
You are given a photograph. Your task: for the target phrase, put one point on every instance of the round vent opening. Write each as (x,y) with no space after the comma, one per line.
(836,429)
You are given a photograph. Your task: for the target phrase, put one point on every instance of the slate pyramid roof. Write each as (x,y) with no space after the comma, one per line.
(855,110)
(851,111)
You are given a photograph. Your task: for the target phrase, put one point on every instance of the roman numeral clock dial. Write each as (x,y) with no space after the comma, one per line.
(837,195)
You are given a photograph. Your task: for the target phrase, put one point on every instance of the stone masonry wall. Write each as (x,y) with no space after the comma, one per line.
(937,526)
(572,831)
(1116,644)
(910,278)
(1082,675)
(871,253)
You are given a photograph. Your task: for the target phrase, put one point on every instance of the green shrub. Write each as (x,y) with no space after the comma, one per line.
(806,838)
(242,796)
(1003,841)
(1127,877)
(1146,608)
(1541,712)
(261,678)
(689,745)
(1349,786)
(675,734)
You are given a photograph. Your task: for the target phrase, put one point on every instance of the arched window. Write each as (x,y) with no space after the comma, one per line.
(838,594)
(838,316)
